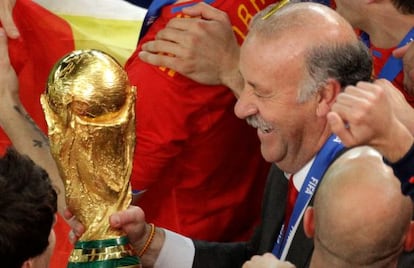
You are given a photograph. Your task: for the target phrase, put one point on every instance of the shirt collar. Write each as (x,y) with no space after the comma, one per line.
(299,177)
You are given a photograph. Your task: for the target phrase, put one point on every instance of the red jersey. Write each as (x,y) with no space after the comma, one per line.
(201,165)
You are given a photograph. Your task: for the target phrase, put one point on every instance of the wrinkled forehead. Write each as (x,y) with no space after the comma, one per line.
(273,55)
(280,46)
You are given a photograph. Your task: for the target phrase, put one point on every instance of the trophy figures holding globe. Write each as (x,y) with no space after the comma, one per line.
(89,110)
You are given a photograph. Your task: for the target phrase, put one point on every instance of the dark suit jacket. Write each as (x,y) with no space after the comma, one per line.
(226,255)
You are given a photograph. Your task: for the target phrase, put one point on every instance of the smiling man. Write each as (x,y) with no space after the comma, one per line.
(293,62)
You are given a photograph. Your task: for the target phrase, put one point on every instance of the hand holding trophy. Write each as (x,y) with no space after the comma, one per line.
(89,109)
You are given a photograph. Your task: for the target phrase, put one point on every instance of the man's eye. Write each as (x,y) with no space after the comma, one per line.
(260,94)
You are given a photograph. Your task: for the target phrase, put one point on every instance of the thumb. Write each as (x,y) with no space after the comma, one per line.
(400,52)
(132,216)
(6,19)
(339,127)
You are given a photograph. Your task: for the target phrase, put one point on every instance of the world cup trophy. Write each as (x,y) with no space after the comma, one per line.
(89,110)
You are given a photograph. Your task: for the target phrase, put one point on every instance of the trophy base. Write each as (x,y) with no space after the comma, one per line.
(108,253)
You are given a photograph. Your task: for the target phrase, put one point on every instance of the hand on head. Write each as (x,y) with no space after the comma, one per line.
(200,46)
(6,18)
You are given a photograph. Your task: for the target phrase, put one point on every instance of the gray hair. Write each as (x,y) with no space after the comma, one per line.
(346,63)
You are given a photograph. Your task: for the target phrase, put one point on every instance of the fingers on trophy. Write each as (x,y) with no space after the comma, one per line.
(89,110)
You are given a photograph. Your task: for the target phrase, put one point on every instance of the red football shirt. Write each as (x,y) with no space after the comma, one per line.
(200,164)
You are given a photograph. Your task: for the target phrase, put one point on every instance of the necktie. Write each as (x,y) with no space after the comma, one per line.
(292,194)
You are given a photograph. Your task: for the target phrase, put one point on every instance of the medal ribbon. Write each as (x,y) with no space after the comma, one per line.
(322,161)
(392,66)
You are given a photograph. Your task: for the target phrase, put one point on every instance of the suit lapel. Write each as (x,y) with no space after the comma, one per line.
(273,216)
(273,208)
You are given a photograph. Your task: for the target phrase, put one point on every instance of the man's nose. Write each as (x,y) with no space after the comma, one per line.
(244,106)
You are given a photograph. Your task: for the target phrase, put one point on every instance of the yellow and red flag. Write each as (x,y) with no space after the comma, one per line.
(50,29)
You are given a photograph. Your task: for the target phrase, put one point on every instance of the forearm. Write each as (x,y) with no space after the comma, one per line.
(28,139)
(234,81)
(404,171)
(230,75)
(399,154)
(402,140)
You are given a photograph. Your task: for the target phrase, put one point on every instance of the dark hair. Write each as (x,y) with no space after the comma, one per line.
(347,63)
(28,204)
(404,6)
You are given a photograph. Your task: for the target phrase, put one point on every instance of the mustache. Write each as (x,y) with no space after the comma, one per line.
(258,122)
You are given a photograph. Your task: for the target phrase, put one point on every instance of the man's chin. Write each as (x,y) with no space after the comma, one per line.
(268,157)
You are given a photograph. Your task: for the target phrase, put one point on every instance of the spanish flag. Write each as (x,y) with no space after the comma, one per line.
(49,29)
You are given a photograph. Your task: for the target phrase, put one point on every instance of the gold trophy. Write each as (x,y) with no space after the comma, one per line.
(89,110)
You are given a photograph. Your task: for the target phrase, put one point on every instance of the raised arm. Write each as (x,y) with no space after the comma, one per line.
(365,115)
(6,18)
(26,137)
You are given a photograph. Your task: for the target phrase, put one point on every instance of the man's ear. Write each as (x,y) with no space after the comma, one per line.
(327,97)
(309,222)
(409,238)
(28,264)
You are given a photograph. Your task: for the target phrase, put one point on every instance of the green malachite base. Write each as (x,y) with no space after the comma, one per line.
(109,253)
(127,262)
